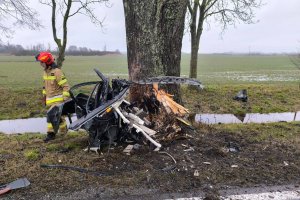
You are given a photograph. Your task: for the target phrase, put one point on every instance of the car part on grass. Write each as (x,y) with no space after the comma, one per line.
(128,149)
(19,183)
(170,167)
(241,96)
(171,80)
(105,114)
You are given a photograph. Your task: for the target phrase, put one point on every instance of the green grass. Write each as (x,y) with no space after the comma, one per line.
(279,131)
(223,76)
(32,154)
(52,147)
(23,72)
(262,98)
(28,136)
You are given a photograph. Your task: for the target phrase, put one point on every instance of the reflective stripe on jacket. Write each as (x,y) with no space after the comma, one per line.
(56,86)
(55,99)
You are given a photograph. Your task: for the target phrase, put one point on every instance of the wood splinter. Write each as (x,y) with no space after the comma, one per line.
(167,101)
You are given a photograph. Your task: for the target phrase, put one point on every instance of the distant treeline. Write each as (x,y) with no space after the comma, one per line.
(19,50)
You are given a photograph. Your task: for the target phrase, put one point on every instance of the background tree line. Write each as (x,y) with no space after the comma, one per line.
(19,50)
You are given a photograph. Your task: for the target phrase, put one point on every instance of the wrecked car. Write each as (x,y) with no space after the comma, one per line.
(106,114)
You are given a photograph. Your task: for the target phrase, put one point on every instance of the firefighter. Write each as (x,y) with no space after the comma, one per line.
(55,90)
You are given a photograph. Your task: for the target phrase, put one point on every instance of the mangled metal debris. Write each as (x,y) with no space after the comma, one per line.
(241,96)
(108,117)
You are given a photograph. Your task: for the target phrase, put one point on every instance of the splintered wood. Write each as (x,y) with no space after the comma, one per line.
(167,101)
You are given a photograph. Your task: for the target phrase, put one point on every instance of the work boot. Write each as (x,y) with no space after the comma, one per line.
(50,136)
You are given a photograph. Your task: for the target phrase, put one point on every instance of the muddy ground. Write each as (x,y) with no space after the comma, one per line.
(207,159)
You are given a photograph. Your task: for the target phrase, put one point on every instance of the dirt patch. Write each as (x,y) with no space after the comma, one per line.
(205,158)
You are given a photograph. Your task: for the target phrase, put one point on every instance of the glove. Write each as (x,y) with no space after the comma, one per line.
(66,98)
(66,95)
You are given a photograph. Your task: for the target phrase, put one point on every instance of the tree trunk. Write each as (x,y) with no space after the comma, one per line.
(196,29)
(61,57)
(154,31)
(194,60)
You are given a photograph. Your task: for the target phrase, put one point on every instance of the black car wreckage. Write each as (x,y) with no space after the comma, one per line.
(105,113)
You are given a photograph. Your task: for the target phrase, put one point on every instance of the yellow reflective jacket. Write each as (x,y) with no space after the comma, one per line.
(56,87)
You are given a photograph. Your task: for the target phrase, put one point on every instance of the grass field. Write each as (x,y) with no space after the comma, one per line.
(24,72)
(271,81)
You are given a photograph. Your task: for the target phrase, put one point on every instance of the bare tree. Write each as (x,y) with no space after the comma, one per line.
(154,31)
(68,9)
(225,12)
(19,13)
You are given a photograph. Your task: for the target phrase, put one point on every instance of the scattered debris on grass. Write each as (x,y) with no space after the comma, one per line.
(241,96)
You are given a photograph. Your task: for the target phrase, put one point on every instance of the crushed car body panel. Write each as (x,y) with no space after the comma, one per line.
(106,115)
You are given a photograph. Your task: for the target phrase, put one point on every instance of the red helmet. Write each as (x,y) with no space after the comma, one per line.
(45,57)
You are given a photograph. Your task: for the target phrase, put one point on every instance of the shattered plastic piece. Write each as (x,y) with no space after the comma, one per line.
(189,149)
(157,149)
(196,173)
(234,166)
(19,183)
(149,131)
(128,149)
(233,147)
(136,146)
(285,163)
(93,149)
(207,163)
(147,122)
(241,96)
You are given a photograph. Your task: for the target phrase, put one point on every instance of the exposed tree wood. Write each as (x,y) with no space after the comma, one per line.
(169,104)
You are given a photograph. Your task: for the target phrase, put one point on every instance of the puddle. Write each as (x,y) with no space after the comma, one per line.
(271,117)
(38,125)
(217,119)
(249,118)
(31,125)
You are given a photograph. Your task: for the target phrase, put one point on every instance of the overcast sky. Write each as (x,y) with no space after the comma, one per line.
(277,31)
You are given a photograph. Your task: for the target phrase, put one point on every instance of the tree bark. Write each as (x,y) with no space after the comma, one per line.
(196,32)
(194,59)
(154,31)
